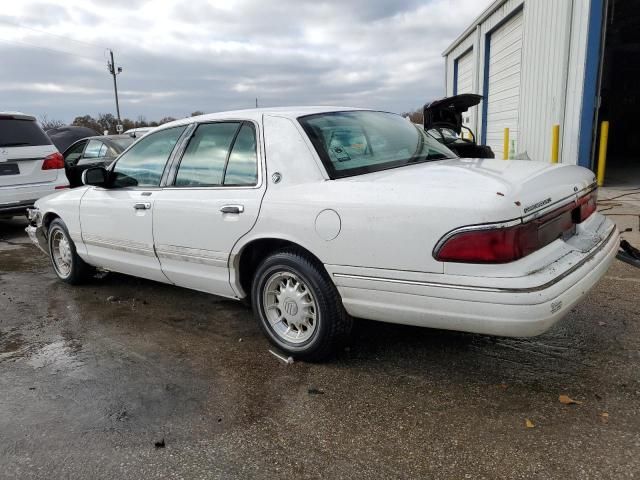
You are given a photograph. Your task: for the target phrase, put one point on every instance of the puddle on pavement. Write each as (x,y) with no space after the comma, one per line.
(57,356)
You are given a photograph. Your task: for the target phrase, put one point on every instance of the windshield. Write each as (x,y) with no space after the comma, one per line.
(356,142)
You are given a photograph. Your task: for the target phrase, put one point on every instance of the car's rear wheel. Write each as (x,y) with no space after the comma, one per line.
(69,267)
(298,307)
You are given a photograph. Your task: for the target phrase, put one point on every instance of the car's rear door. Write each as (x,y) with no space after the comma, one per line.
(212,200)
(117,222)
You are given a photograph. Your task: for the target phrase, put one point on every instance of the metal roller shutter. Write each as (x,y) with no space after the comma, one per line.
(503,83)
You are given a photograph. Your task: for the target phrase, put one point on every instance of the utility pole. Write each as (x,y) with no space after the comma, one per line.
(115,71)
(256,102)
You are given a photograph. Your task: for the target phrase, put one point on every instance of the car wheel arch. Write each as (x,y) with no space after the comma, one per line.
(252,253)
(47,218)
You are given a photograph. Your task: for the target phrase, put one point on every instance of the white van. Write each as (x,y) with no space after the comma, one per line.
(30,165)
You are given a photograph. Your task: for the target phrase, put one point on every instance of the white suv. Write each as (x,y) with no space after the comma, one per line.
(30,165)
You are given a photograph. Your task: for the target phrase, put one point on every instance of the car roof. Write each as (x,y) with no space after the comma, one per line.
(17,115)
(106,137)
(257,113)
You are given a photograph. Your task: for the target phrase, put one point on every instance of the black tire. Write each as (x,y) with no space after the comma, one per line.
(333,326)
(79,271)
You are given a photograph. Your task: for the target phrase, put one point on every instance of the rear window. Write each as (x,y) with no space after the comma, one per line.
(362,141)
(123,142)
(21,133)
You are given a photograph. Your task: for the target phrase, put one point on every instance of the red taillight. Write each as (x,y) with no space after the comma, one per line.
(499,245)
(507,243)
(588,204)
(54,161)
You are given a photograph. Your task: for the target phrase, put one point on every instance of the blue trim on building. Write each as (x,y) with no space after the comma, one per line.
(485,87)
(455,76)
(592,68)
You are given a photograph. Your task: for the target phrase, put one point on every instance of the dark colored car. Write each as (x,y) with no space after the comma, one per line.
(63,137)
(443,120)
(98,151)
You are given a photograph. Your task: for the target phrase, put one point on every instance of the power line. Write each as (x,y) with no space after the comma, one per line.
(49,49)
(15,24)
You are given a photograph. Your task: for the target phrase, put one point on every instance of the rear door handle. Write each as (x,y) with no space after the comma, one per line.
(232,209)
(142,206)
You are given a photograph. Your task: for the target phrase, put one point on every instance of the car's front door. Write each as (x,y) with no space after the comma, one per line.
(212,200)
(117,221)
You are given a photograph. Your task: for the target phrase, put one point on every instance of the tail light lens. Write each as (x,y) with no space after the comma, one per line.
(499,245)
(55,161)
(507,242)
(588,204)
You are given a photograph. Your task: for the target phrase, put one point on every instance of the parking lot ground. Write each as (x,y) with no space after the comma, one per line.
(92,377)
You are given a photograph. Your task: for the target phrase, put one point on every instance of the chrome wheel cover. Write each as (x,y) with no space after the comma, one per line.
(61,253)
(290,307)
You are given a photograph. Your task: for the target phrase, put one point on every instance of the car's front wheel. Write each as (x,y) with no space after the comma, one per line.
(69,267)
(298,307)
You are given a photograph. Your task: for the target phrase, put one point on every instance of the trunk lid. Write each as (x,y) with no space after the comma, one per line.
(447,112)
(527,186)
(23,165)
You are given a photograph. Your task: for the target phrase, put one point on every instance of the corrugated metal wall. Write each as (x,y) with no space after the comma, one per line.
(553,39)
(544,74)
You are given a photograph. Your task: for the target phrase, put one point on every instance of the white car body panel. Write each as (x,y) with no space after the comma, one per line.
(22,190)
(117,236)
(375,233)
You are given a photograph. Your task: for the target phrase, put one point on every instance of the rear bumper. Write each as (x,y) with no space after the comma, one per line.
(16,208)
(522,310)
(17,198)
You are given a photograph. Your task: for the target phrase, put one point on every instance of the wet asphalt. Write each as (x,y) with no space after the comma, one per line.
(93,377)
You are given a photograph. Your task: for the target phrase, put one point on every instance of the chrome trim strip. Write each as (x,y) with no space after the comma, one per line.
(116,245)
(537,288)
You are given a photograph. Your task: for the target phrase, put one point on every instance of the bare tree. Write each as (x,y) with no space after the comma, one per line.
(48,123)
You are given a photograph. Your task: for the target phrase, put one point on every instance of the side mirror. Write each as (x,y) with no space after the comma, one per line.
(95,176)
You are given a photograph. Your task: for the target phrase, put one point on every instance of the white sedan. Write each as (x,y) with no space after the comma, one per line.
(318,215)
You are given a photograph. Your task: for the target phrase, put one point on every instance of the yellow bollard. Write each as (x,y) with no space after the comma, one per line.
(602,154)
(505,148)
(555,143)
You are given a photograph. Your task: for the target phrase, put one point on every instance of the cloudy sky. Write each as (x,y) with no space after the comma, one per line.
(216,55)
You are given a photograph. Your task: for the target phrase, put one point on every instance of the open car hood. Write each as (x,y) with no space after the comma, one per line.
(447,112)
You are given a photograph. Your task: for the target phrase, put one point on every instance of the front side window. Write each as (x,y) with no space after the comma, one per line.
(356,142)
(73,154)
(142,165)
(221,153)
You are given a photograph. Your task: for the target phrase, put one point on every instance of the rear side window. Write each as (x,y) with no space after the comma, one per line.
(206,155)
(94,149)
(21,133)
(242,167)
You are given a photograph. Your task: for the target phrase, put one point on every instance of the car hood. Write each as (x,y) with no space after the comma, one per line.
(525,186)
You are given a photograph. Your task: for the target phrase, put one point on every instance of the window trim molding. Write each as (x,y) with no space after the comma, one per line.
(167,162)
(179,154)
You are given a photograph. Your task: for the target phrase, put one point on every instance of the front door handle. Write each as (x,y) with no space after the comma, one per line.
(142,206)
(232,209)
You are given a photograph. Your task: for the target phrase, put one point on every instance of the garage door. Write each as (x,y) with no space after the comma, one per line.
(464,84)
(502,91)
